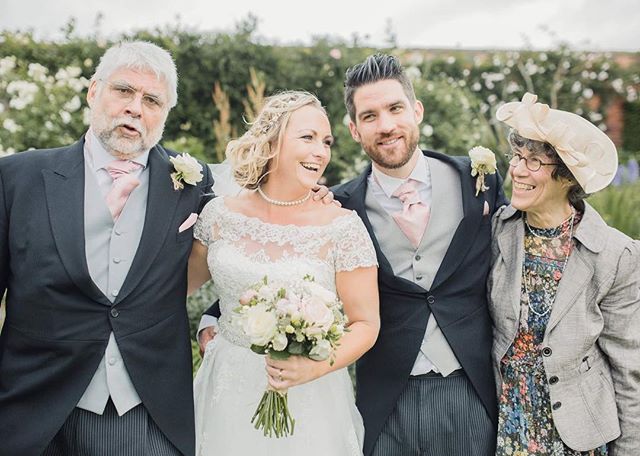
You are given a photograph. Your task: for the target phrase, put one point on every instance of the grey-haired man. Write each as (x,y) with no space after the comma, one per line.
(95,355)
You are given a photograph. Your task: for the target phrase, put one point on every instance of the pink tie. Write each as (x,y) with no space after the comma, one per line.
(414,216)
(123,184)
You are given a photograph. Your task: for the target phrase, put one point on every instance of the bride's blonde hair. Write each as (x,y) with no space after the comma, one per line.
(251,154)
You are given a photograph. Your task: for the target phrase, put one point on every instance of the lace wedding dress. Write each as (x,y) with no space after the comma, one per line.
(232,378)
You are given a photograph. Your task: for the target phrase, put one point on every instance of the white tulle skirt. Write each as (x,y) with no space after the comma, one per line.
(228,387)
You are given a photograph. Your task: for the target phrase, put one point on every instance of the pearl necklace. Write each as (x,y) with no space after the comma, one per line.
(547,308)
(283,203)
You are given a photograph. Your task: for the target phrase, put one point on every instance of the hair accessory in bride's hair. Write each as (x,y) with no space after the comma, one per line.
(265,122)
(272,113)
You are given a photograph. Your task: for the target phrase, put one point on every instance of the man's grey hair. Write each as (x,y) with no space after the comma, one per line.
(376,67)
(140,55)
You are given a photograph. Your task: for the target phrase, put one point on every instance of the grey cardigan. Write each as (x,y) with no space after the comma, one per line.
(591,347)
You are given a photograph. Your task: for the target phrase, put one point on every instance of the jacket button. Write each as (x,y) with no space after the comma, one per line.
(418,257)
(431,299)
(114,313)
(556,405)
(546,351)
(553,380)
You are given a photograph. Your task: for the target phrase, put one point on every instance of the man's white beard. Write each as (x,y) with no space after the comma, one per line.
(120,146)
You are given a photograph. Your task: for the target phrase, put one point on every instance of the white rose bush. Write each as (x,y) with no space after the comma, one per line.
(39,107)
(299,318)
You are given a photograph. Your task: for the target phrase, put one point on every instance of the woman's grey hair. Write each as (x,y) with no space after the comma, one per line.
(376,67)
(575,193)
(140,55)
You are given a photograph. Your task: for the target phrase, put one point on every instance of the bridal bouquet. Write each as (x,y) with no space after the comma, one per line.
(299,318)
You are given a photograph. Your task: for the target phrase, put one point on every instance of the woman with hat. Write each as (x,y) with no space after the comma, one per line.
(565,295)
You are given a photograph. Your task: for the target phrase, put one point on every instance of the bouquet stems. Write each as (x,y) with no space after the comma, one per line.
(273,416)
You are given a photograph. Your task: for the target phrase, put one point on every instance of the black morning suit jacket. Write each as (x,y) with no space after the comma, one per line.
(457,299)
(58,322)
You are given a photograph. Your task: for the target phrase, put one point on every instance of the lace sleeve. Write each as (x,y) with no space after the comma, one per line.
(204,227)
(353,247)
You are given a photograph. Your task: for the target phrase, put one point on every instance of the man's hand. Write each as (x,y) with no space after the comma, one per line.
(320,192)
(204,337)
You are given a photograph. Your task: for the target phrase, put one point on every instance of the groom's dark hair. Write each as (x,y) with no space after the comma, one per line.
(376,67)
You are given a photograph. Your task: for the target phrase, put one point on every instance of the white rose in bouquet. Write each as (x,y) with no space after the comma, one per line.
(280,342)
(288,307)
(321,350)
(317,314)
(260,324)
(267,292)
(318,291)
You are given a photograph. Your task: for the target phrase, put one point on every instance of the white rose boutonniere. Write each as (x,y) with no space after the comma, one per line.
(483,161)
(188,170)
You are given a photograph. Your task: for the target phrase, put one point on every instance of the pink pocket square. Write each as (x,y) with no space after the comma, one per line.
(486,209)
(188,223)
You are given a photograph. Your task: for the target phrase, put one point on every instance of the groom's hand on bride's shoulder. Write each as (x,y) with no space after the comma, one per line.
(205,336)
(321,192)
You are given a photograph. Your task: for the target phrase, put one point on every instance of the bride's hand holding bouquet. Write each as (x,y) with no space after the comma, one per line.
(298,326)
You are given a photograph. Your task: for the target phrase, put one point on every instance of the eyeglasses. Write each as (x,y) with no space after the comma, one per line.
(127,93)
(532,163)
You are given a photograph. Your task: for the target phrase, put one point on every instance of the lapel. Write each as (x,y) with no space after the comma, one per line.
(467,230)
(590,235)
(510,243)
(578,273)
(162,202)
(64,193)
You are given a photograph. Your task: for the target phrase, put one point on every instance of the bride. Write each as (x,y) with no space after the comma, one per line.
(274,229)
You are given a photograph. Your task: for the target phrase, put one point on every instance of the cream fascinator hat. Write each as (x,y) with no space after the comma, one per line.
(588,153)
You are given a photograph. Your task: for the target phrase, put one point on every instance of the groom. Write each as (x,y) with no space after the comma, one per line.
(95,355)
(426,387)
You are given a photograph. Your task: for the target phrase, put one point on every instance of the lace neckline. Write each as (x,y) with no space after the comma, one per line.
(257,221)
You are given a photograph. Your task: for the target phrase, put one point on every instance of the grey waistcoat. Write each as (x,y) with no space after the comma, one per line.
(110,249)
(421,265)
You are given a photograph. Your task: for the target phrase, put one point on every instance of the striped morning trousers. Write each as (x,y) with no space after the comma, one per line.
(437,416)
(133,434)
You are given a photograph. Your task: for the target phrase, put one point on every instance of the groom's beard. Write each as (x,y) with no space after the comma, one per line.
(119,145)
(406,148)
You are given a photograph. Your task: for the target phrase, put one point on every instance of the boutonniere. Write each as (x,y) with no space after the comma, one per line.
(483,161)
(187,171)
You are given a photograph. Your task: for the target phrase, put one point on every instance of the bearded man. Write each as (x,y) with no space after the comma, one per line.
(95,355)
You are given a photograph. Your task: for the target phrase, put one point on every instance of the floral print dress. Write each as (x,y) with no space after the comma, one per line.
(525,425)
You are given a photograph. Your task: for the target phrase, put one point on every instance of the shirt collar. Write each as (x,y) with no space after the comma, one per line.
(390,184)
(100,158)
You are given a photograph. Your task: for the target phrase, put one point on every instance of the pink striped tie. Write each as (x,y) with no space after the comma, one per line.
(123,184)
(414,217)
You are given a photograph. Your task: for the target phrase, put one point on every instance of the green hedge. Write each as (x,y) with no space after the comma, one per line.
(461,91)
